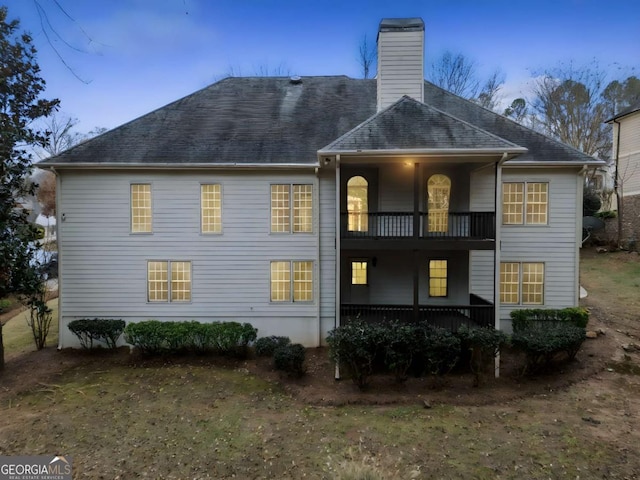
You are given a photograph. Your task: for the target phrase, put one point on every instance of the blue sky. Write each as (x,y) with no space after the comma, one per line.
(137,55)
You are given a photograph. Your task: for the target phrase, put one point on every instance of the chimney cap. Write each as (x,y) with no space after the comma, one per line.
(401,24)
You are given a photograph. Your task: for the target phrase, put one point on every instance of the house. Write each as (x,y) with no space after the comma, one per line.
(299,203)
(626,155)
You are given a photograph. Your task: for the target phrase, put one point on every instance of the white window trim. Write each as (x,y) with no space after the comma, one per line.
(168,300)
(292,282)
(291,209)
(151,189)
(221,208)
(524,205)
(520,302)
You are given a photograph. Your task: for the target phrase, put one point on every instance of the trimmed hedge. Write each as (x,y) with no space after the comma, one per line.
(104,330)
(527,318)
(266,346)
(359,345)
(290,359)
(541,344)
(222,338)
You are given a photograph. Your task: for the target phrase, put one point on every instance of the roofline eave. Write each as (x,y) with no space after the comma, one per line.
(512,152)
(115,165)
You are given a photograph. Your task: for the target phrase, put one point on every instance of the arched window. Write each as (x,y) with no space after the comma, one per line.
(358,204)
(439,190)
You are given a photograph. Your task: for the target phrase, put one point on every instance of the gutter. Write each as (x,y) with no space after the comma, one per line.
(426,152)
(182,166)
(60,259)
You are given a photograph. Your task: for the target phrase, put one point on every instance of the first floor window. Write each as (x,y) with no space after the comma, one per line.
(292,280)
(522,283)
(437,278)
(359,272)
(162,287)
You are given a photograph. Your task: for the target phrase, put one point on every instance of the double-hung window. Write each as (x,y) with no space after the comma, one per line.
(359,274)
(211,208)
(291,281)
(291,208)
(522,283)
(437,278)
(168,281)
(140,208)
(525,203)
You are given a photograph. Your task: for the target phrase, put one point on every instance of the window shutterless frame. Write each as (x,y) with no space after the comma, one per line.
(291,281)
(169,281)
(141,208)
(291,208)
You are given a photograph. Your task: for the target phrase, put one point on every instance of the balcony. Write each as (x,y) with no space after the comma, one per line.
(479,313)
(471,226)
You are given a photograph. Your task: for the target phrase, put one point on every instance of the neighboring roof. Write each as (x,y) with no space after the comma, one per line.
(278,121)
(627,111)
(412,125)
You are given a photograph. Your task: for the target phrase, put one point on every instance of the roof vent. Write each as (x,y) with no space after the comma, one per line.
(295,80)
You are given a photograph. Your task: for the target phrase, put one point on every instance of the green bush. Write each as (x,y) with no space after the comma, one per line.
(483,345)
(527,318)
(401,347)
(541,344)
(266,346)
(438,350)
(290,359)
(4,304)
(356,346)
(104,330)
(222,338)
(606,214)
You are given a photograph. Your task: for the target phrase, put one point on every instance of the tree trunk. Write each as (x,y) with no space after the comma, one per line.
(1,349)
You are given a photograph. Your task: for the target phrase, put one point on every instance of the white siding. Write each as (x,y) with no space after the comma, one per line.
(400,66)
(629,154)
(554,244)
(482,199)
(103,265)
(327,252)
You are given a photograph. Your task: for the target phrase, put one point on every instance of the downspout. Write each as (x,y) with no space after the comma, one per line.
(579,241)
(336,322)
(318,270)
(496,252)
(616,184)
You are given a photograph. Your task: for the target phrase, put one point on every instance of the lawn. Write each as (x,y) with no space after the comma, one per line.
(120,418)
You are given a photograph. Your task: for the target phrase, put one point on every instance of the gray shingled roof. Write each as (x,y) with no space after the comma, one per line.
(272,120)
(409,124)
(627,111)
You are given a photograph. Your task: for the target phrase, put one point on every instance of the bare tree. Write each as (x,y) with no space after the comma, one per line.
(456,74)
(489,96)
(61,135)
(569,105)
(518,110)
(367,55)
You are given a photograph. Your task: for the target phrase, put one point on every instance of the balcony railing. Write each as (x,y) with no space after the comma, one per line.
(445,316)
(392,225)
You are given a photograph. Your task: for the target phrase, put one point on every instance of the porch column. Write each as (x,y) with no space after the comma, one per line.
(416,200)
(416,287)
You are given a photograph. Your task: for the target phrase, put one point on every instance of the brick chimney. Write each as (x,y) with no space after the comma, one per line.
(400,60)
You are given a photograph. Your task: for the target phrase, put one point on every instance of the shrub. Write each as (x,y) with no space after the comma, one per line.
(290,359)
(223,338)
(527,318)
(401,347)
(266,346)
(438,350)
(4,304)
(484,345)
(105,330)
(541,344)
(356,345)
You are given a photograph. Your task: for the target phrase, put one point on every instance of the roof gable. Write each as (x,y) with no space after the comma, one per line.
(410,125)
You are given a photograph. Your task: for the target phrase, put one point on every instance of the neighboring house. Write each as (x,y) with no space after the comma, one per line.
(298,203)
(626,155)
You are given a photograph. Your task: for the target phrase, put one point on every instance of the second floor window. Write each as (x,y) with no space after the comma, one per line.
(291,208)
(439,191)
(210,208)
(358,204)
(525,203)
(140,208)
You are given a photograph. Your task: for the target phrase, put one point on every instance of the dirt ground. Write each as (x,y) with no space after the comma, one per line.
(588,414)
